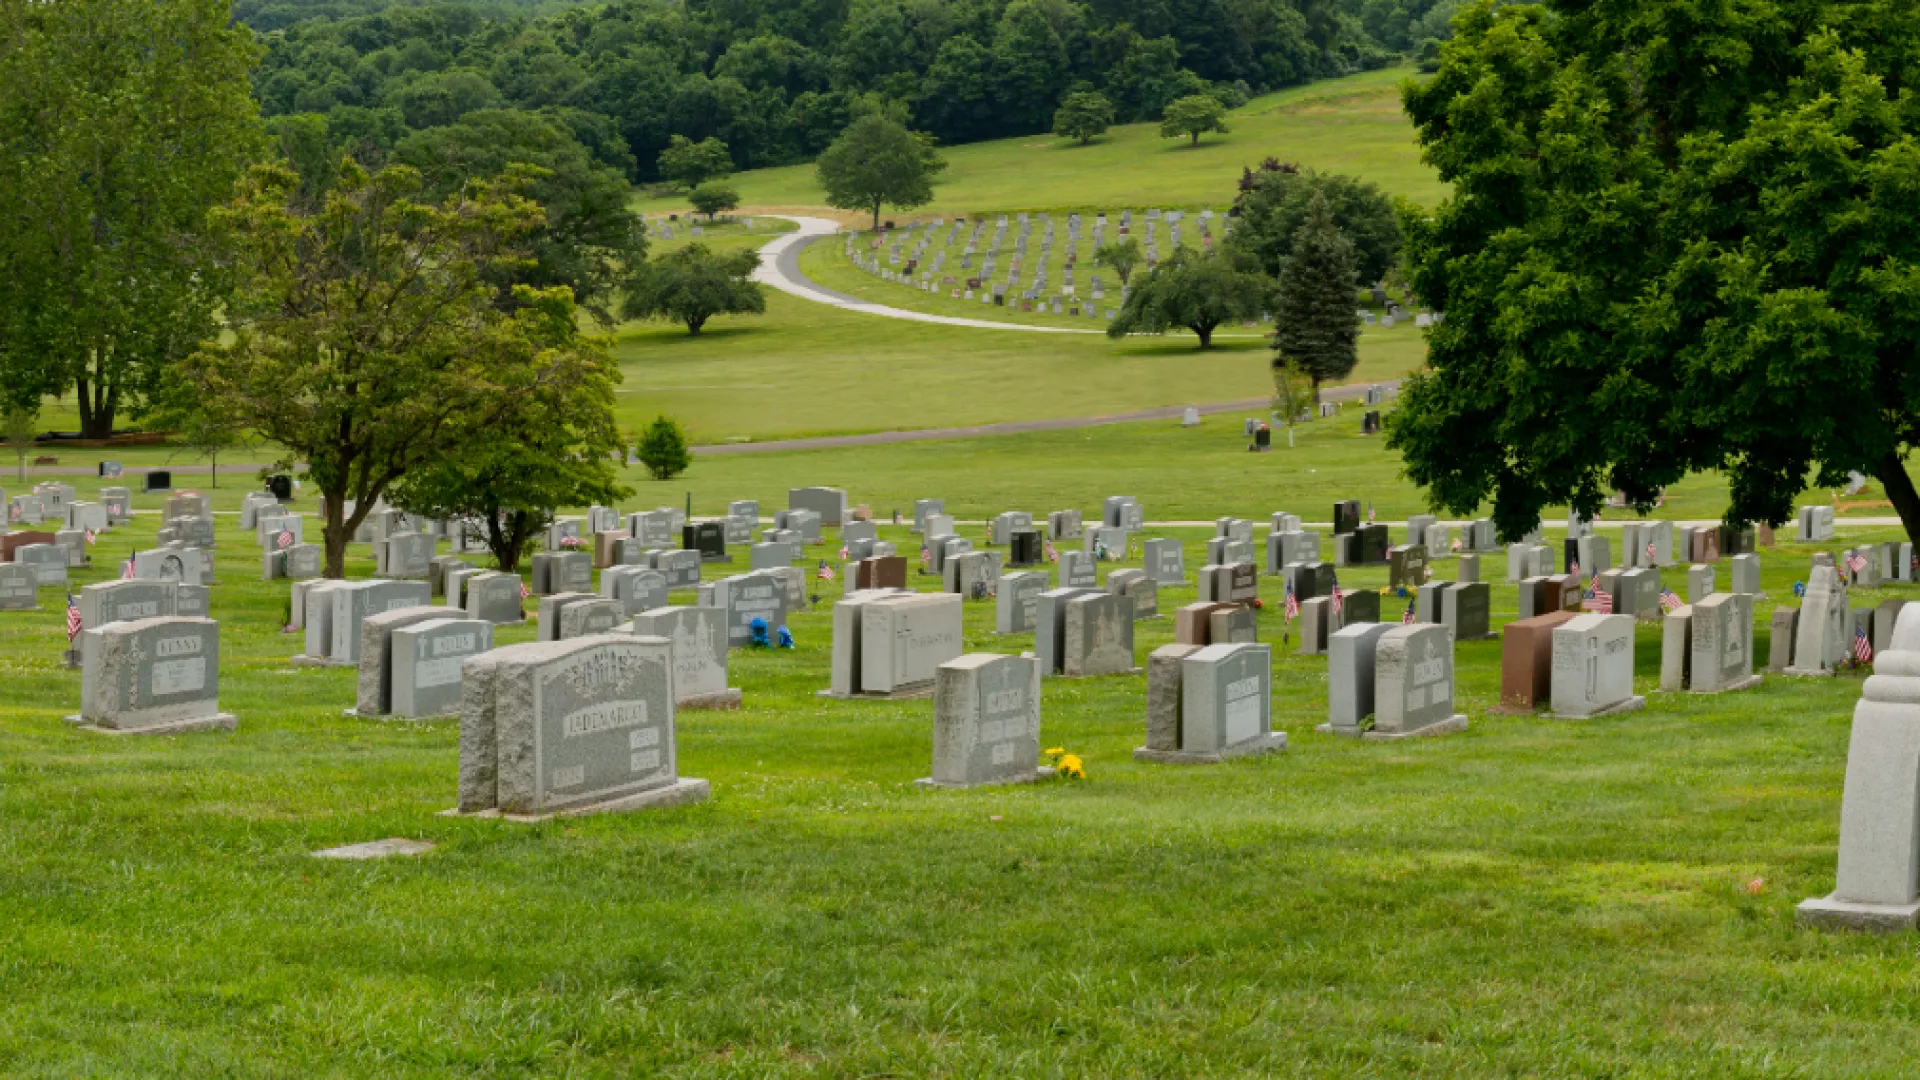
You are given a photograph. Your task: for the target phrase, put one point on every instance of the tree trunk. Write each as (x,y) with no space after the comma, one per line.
(694,325)
(1205,332)
(334,533)
(876,215)
(213,472)
(1316,395)
(96,398)
(1196,138)
(1891,471)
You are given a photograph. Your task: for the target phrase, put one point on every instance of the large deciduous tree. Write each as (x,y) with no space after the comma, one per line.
(1673,244)
(1193,290)
(693,284)
(122,123)
(365,340)
(877,162)
(1316,329)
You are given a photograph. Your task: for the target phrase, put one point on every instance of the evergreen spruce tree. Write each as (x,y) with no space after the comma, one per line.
(1316,330)
(663,449)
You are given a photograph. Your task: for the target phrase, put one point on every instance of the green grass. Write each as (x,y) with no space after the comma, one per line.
(1352,125)
(1532,898)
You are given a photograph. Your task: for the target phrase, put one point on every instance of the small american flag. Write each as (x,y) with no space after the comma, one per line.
(1407,616)
(1856,562)
(73,619)
(284,540)
(92,538)
(826,572)
(13,512)
(1293,604)
(1862,648)
(1337,605)
(843,552)
(1598,599)
(524,591)
(1650,555)
(1669,600)
(1052,556)
(126,569)
(1573,569)
(926,557)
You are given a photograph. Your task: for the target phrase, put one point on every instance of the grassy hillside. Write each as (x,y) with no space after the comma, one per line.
(1351,125)
(1533,898)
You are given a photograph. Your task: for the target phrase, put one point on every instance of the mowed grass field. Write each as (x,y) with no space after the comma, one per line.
(1531,898)
(1351,125)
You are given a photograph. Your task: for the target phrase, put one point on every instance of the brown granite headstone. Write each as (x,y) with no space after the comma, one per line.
(1192,623)
(606,547)
(885,572)
(1526,660)
(13,540)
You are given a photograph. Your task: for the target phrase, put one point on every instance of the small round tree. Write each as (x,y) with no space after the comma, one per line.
(713,197)
(1194,115)
(1082,116)
(663,449)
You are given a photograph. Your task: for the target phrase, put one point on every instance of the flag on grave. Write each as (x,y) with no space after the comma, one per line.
(1862,648)
(73,619)
(826,572)
(1669,600)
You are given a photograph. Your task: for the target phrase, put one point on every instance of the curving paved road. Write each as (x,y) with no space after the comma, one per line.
(780,268)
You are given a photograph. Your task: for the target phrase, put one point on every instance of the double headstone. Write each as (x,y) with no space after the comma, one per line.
(152,676)
(552,727)
(1526,660)
(1593,667)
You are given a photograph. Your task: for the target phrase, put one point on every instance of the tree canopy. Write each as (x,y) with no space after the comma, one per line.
(1083,116)
(1696,256)
(877,162)
(1198,291)
(1273,202)
(365,338)
(122,123)
(1194,116)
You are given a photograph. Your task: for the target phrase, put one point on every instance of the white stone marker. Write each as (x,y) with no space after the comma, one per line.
(1878,887)
(699,639)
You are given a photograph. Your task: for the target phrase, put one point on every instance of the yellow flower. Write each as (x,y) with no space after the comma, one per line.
(1070,766)
(1055,752)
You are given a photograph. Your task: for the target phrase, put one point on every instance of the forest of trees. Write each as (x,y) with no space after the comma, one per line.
(776,82)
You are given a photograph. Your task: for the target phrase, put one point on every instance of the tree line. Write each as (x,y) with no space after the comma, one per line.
(775,83)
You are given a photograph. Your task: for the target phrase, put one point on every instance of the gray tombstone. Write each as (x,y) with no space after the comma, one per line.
(1637,593)
(425,661)
(1225,705)
(680,567)
(124,601)
(759,594)
(373,691)
(1593,667)
(557,726)
(494,597)
(19,587)
(47,561)
(637,588)
(1676,649)
(354,601)
(1743,573)
(149,676)
(1165,561)
(1699,582)
(1050,625)
(1097,637)
(1722,646)
(1016,600)
(1820,642)
(1466,609)
(903,640)
(590,615)
(972,575)
(1077,570)
(986,721)
(1413,683)
(699,639)
(829,503)
(1350,664)
(847,625)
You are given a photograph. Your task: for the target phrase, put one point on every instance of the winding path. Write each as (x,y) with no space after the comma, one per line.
(780,268)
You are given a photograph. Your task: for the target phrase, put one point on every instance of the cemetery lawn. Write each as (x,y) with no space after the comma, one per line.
(1602,898)
(1351,125)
